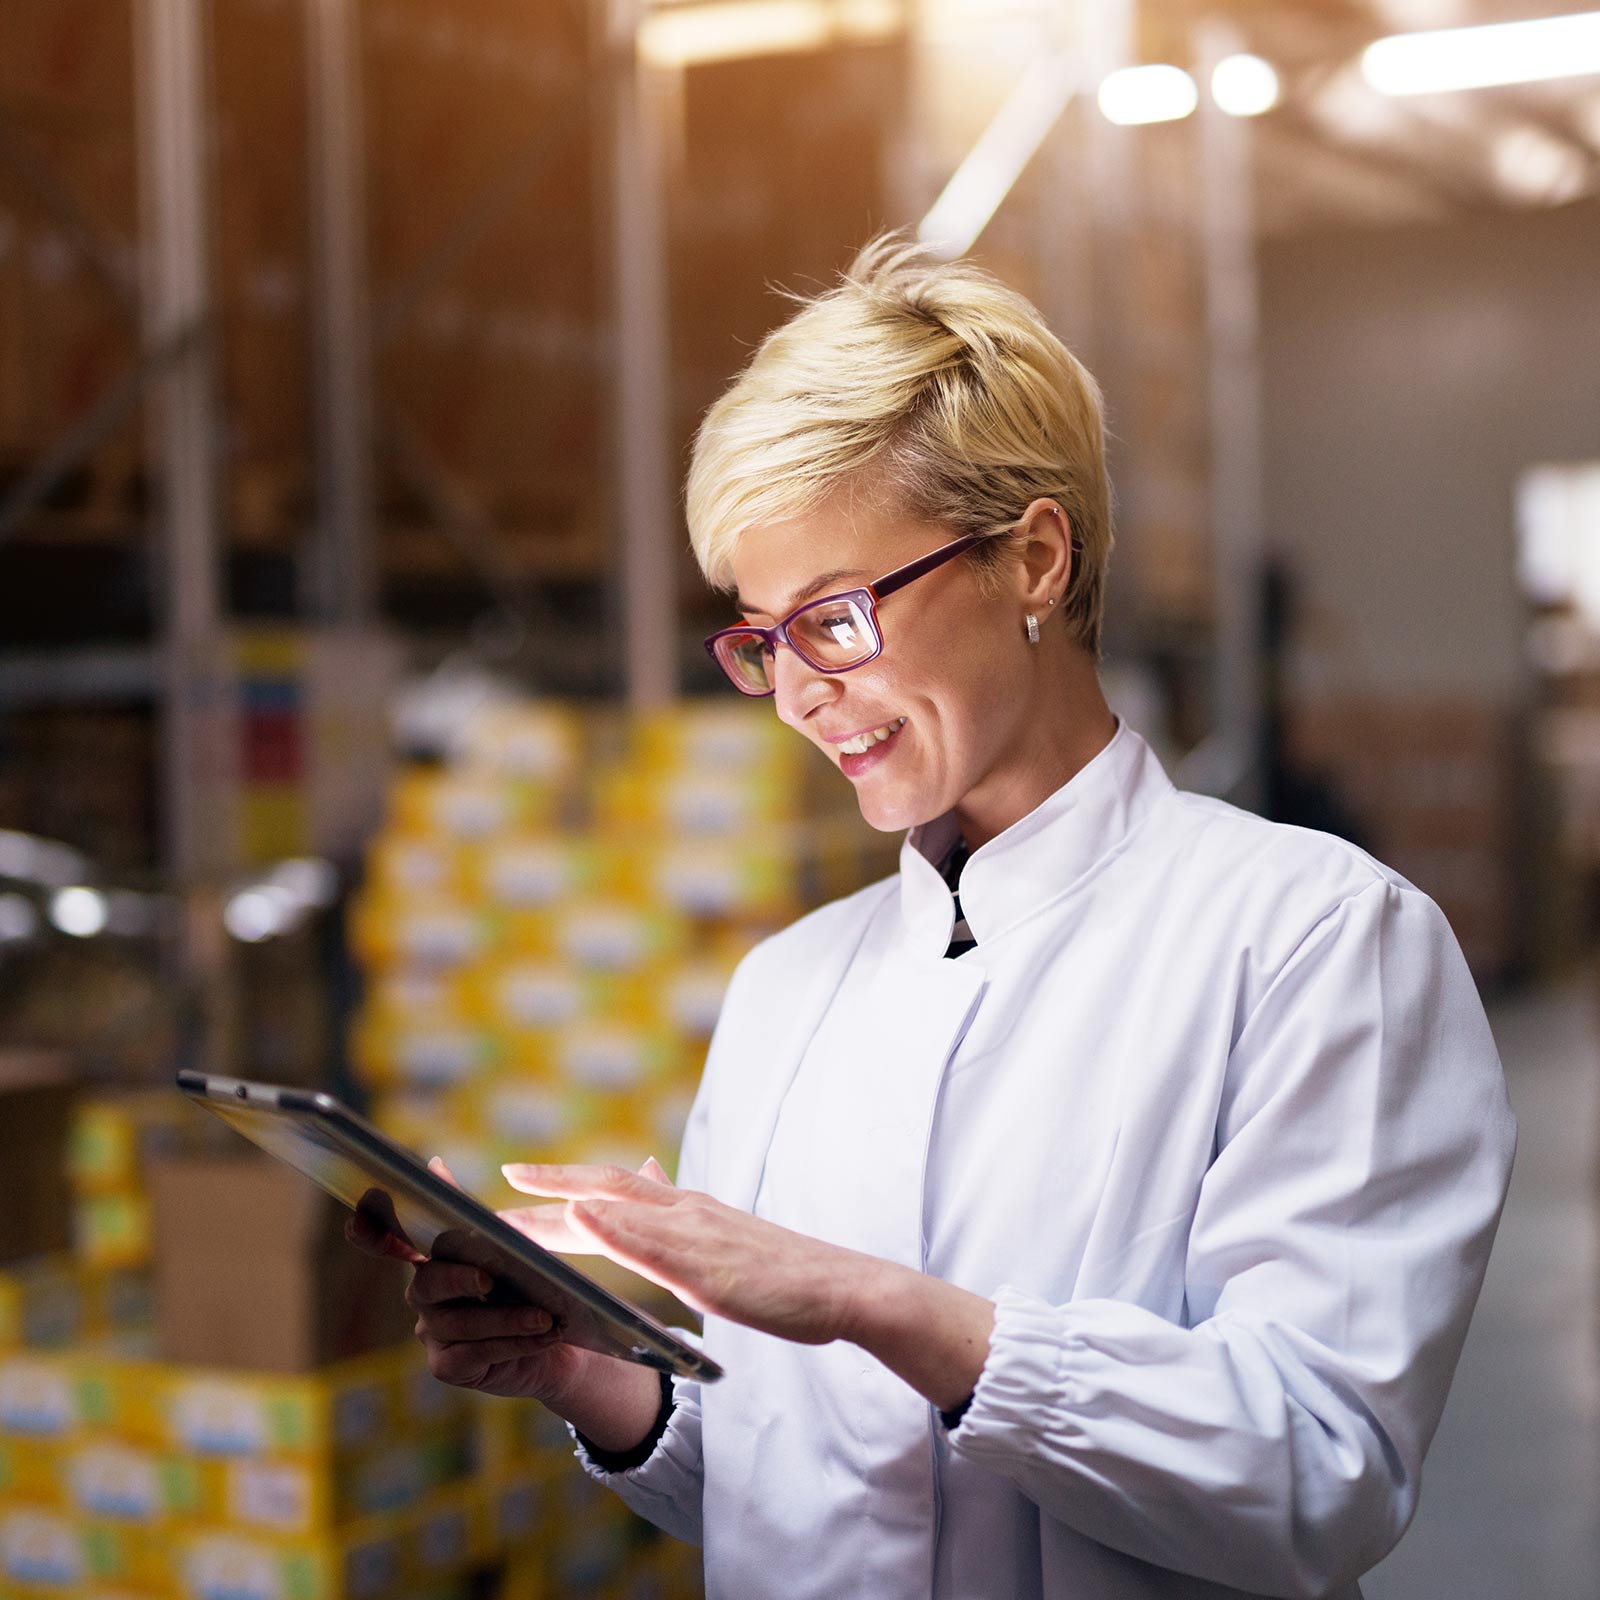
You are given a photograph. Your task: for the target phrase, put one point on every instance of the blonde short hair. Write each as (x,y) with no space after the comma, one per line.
(925,380)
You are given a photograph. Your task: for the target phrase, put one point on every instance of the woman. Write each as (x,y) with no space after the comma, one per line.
(1096,1207)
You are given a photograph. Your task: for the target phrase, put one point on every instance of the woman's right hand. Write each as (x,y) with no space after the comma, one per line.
(496,1349)
(511,1350)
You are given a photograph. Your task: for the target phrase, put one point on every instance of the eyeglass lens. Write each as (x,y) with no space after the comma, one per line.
(833,635)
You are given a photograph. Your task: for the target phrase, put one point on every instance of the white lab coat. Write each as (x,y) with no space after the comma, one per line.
(1212,1112)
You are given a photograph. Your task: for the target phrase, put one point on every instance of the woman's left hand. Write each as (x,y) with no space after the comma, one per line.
(714,1258)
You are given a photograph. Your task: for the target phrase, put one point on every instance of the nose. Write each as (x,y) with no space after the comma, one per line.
(799,689)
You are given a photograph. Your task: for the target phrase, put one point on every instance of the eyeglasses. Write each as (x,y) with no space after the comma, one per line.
(837,633)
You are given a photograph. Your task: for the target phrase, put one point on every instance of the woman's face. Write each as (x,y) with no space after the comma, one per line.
(951,688)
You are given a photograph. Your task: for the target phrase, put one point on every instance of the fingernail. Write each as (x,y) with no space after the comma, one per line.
(484,1282)
(535,1321)
(518,1169)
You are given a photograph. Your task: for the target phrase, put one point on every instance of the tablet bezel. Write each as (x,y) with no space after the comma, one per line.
(586,1313)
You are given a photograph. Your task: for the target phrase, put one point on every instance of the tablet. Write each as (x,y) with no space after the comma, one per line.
(344,1154)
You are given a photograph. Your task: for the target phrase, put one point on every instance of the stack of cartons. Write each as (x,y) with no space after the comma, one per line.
(356,1482)
(550,922)
(52,1296)
(548,929)
(116,1136)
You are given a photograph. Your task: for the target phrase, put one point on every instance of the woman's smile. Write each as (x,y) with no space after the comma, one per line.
(864,751)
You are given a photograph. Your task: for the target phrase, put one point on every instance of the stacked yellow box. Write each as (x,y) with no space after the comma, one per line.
(53,1302)
(551,919)
(113,1136)
(359,1482)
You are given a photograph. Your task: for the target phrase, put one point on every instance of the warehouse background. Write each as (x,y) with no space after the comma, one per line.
(355,729)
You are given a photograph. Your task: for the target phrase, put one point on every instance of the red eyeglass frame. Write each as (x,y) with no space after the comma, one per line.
(866,598)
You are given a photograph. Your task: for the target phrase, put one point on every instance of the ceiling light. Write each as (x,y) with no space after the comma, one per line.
(727,30)
(1244,85)
(262,911)
(1134,95)
(1532,166)
(80,912)
(1449,59)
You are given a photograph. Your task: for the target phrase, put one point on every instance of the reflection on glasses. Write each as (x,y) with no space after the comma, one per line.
(837,633)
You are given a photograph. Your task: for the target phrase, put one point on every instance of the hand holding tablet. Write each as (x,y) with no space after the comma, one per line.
(464,1251)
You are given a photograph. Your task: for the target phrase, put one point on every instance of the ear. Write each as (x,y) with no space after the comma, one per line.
(1045,569)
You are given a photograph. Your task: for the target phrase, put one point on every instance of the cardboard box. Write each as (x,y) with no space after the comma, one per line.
(252,1270)
(36,1095)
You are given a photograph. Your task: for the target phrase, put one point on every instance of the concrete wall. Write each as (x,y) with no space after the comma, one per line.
(1410,375)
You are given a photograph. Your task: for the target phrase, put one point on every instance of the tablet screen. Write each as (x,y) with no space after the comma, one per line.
(317,1151)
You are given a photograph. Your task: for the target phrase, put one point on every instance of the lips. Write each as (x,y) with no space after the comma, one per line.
(859,743)
(864,751)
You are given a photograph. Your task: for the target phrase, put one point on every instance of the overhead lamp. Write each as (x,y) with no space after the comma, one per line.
(262,911)
(1244,85)
(1533,167)
(726,30)
(1156,93)
(80,912)
(1449,59)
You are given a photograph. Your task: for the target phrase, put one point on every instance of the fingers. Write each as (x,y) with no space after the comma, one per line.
(467,1323)
(469,1364)
(655,1172)
(435,1282)
(547,1226)
(586,1183)
(436,1164)
(365,1234)
(633,1237)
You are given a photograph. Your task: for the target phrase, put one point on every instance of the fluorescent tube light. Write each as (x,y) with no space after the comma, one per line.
(1450,59)
(728,30)
(1134,95)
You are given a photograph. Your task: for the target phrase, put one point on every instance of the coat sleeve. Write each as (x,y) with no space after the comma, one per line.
(1273,1443)
(667,1488)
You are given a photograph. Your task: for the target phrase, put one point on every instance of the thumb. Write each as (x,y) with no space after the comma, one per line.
(653,1170)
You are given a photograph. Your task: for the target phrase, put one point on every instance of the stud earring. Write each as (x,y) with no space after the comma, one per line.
(1033,629)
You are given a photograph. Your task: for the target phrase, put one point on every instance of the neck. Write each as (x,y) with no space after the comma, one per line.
(1058,739)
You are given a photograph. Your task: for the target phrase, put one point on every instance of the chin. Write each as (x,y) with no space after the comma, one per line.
(893,813)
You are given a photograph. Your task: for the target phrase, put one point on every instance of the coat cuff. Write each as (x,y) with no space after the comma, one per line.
(1025,1386)
(614,1461)
(608,1467)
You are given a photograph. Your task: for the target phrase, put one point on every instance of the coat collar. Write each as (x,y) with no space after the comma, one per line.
(1036,860)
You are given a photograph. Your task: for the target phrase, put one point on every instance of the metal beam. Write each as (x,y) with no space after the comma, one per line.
(341,585)
(1238,522)
(641,371)
(199,769)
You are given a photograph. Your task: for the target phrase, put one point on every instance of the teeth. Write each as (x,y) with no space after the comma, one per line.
(865,741)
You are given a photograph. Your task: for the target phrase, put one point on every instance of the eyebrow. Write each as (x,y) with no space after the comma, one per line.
(815,587)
